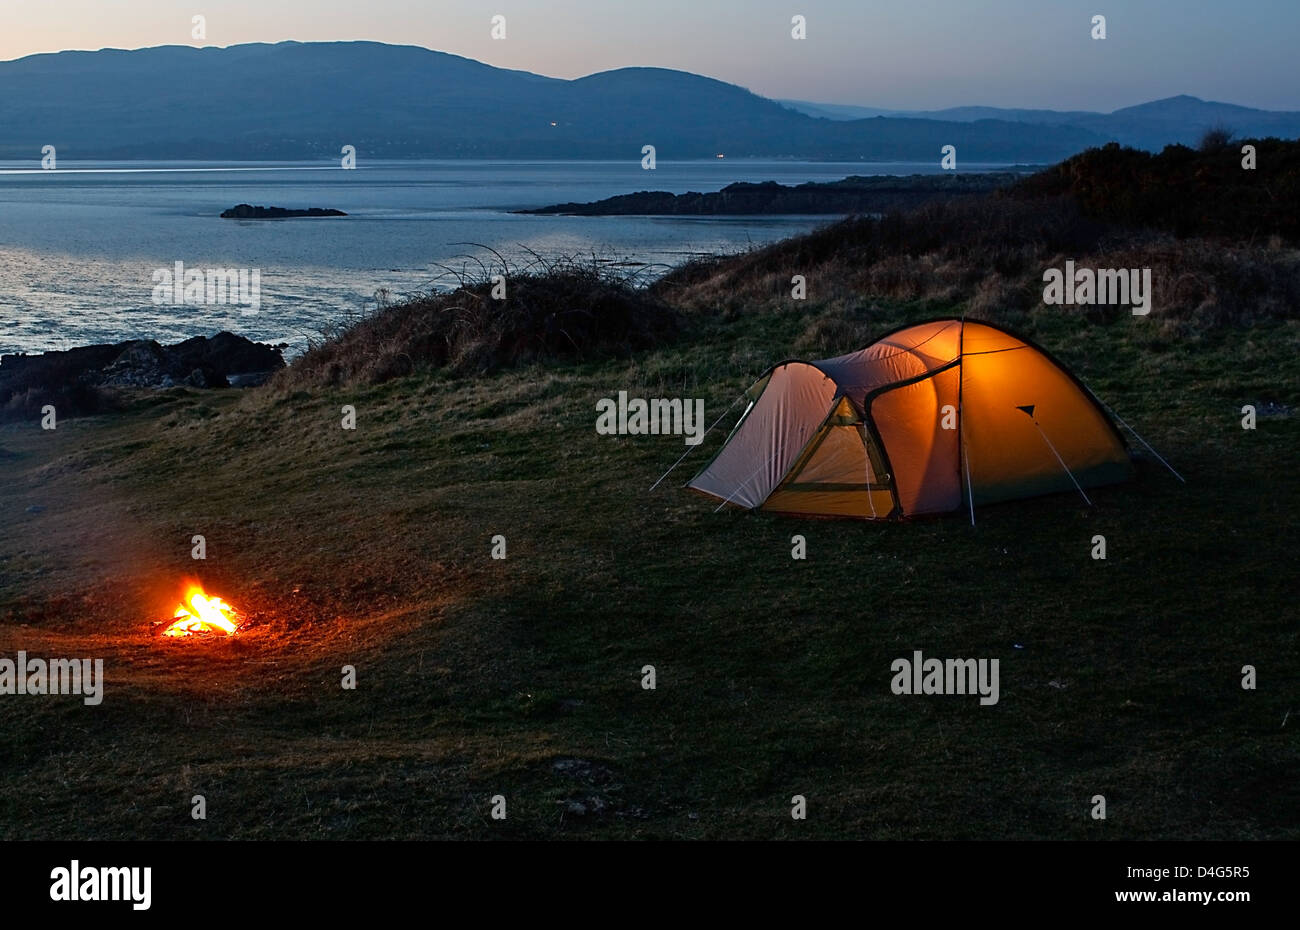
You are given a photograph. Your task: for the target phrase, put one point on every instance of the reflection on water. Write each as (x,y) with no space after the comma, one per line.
(79,246)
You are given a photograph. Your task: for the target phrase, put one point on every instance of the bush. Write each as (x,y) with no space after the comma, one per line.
(560,311)
(1181,190)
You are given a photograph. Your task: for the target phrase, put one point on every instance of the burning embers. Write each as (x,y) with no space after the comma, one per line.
(200,613)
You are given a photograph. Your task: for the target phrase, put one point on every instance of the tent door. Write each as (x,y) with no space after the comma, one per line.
(840,471)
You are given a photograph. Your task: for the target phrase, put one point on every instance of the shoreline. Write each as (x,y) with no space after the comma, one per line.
(855,194)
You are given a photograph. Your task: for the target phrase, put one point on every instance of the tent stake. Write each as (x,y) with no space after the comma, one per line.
(1145,443)
(1122,423)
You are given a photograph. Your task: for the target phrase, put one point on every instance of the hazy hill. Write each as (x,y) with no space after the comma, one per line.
(297,100)
(1153,125)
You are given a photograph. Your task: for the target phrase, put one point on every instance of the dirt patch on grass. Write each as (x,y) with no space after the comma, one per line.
(285,638)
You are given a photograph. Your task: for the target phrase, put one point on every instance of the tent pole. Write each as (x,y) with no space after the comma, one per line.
(700,443)
(970,490)
(871,500)
(961,421)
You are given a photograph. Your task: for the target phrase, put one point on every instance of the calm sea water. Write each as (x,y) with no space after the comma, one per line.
(79,245)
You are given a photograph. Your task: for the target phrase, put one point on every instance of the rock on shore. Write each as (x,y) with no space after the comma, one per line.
(82,380)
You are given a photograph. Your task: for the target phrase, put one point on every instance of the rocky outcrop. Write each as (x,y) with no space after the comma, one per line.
(837,198)
(86,379)
(247,212)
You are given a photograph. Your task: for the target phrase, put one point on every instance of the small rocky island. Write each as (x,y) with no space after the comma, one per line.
(248,212)
(856,194)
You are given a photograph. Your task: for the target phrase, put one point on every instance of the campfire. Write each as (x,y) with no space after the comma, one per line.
(202,613)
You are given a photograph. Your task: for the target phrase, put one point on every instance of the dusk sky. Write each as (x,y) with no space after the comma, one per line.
(903,54)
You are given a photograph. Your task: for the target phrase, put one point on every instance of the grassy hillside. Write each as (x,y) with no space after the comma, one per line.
(521,677)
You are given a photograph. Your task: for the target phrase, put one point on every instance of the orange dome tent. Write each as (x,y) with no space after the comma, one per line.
(930,418)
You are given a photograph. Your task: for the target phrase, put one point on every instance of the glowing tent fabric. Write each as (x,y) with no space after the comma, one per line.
(927,419)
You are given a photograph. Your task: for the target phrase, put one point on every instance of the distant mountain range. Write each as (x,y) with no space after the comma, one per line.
(1151,126)
(295,100)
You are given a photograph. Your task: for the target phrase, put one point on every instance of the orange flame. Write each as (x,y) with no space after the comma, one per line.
(199,613)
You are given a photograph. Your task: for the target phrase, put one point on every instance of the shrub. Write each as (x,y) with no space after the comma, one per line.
(559,311)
